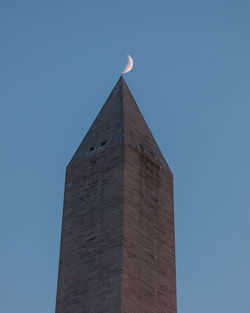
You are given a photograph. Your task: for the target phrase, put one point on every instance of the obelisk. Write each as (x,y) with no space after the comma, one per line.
(117,251)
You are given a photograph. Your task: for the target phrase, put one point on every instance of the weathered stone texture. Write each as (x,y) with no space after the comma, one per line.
(148,271)
(117,244)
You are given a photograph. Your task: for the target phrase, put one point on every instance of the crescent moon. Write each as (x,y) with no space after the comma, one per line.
(129,65)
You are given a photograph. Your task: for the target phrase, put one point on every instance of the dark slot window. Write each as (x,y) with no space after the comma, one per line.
(103,143)
(91,148)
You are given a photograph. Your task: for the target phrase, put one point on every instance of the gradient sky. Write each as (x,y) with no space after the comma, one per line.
(59,60)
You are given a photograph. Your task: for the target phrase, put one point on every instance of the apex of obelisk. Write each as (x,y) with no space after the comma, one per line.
(118,121)
(120,87)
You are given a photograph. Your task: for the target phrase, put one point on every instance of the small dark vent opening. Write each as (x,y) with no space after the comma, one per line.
(91,148)
(103,143)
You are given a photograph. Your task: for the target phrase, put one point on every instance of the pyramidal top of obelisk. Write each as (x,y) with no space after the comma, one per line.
(119,120)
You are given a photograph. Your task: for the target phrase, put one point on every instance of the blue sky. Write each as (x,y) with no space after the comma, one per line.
(191,79)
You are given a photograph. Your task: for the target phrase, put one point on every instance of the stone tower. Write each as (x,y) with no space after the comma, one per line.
(117,250)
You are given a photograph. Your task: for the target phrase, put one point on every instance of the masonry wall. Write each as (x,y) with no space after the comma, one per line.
(148,275)
(89,279)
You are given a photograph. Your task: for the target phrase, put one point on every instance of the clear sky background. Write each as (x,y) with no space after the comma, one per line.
(59,60)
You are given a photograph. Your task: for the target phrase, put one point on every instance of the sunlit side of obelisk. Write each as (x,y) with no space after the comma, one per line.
(117,243)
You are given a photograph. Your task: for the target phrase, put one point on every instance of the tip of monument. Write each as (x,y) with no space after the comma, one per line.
(120,82)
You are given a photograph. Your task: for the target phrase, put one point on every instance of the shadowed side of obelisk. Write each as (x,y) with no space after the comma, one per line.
(89,279)
(148,272)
